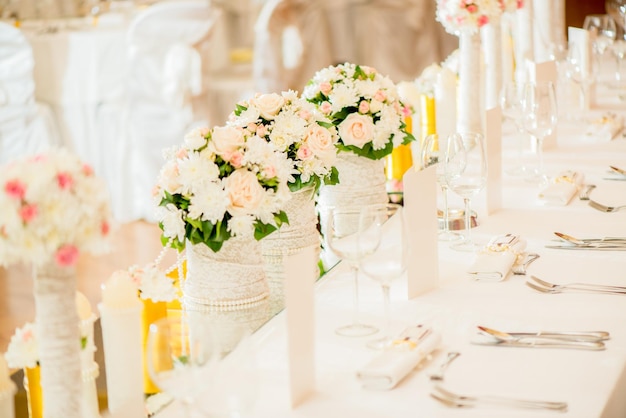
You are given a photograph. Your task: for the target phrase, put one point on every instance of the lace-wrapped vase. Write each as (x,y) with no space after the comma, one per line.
(300,233)
(227,279)
(59,340)
(470,82)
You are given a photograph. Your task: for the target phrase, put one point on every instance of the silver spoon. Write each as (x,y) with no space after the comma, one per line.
(438,375)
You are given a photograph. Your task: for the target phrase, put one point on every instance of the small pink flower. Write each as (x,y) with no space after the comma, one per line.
(325,108)
(364,107)
(28,213)
(182,153)
(261,130)
(304,114)
(406,111)
(472,8)
(252,127)
(304,153)
(87,170)
(66,255)
(520,4)
(269,172)
(380,96)
(236,159)
(325,88)
(483,20)
(15,189)
(27,335)
(105,228)
(65,180)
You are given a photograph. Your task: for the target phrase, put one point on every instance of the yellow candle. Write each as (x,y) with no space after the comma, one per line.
(427,116)
(151,312)
(32,384)
(174,305)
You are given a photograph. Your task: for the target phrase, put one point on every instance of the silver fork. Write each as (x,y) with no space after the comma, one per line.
(577,284)
(456,400)
(584,194)
(604,208)
(542,289)
(438,375)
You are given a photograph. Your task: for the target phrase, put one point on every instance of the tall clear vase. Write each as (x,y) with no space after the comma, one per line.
(469,116)
(59,340)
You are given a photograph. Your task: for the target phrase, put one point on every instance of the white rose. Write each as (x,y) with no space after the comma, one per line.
(226,140)
(356,130)
(195,139)
(320,141)
(375,106)
(244,191)
(268,104)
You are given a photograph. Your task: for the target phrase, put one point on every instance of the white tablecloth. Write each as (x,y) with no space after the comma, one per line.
(593,383)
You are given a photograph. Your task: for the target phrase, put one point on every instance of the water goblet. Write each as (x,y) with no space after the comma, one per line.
(383,235)
(466,173)
(433,151)
(511,103)
(540,118)
(341,235)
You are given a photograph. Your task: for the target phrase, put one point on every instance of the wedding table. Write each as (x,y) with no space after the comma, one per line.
(591,382)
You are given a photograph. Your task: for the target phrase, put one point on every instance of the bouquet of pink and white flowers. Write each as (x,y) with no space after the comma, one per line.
(52,207)
(23,349)
(511,5)
(296,127)
(364,106)
(467,15)
(222,182)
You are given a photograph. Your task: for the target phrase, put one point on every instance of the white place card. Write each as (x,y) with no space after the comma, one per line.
(543,72)
(299,304)
(420,210)
(493,139)
(581,49)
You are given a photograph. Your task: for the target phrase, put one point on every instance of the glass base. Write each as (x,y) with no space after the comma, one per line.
(356,330)
(466,246)
(537,178)
(448,236)
(379,343)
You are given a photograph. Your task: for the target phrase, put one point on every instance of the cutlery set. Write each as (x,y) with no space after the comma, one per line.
(596,244)
(587,188)
(546,287)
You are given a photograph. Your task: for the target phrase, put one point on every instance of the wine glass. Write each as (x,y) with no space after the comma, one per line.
(179,363)
(433,151)
(383,237)
(581,72)
(467,176)
(540,117)
(511,104)
(341,235)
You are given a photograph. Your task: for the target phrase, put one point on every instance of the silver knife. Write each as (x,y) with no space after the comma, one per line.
(583,345)
(588,248)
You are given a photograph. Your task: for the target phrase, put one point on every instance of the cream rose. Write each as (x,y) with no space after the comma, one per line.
(268,104)
(356,130)
(319,140)
(244,191)
(226,140)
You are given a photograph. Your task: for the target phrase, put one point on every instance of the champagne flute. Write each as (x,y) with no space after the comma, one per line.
(341,235)
(540,118)
(467,176)
(583,74)
(433,151)
(511,104)
(384,239)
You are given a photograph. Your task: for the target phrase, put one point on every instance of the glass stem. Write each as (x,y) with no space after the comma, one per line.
(539,155)
(446,215)
(355,310)
(387,326)
(468,221)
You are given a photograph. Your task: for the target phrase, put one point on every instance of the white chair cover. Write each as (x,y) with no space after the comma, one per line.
(165,74)
(26,127)
(291,43)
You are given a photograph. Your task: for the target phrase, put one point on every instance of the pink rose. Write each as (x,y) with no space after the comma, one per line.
(244,191)
(304,114)
(325,108)
(28,213)
(483,20)
(236,159)
(252,127)
(226,140)
(105,228)
(304,153)
(319,141)
(182,153)
(356,130)
(364,107)
(15,189)
(520,4)
(66,255)
(380,96)
(87,170)
(269,105)
(269,172)
(472,8)
(65,180)
(261,131)
(325,88)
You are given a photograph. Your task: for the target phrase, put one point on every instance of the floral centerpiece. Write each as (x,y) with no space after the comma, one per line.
(223,184)
(52,208)
(465,18)
(295,127)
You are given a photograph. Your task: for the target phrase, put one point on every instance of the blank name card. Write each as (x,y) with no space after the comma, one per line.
(420,210)
(493,139)
(299,304)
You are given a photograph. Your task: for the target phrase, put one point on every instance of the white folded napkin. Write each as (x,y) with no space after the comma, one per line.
(495,260)
(562,188)
(387,369)
(606,127)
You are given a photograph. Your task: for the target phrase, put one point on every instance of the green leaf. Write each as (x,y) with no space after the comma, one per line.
(83,343)
(359,73)
(333,177)
(262,230)
(214,245)
(408,139)
(326,125)
(239,109)
(281,218)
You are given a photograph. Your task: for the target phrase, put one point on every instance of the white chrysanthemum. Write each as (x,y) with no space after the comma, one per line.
(196,168)
(23,349)
(343,96)
(428,78)
(156,286)
(241,226)
(452,61)
(366,88)
(209,202)
(173,222)
(457,16)
(287,129)
(195,138)
(248,116)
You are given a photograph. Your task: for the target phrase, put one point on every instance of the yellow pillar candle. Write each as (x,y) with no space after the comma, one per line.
(427,116)
(152,312)
(32,384)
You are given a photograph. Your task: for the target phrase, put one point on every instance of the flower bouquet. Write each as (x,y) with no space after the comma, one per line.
(52,207)
(223,186)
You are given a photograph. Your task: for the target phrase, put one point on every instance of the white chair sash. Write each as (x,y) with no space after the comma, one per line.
(182,74)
